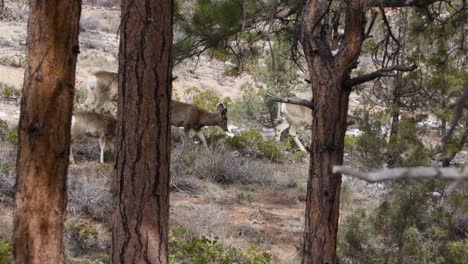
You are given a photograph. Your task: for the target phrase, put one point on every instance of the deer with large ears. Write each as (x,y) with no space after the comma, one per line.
(86,123)
(192,117)
(102,87)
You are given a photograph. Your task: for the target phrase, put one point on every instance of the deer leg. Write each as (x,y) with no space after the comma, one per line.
(102,145)
(280,128)
(186,135)
(202,138)
(72,160)
(293,133)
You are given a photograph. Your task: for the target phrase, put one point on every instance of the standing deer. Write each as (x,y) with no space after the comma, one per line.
(102,87)
(193,117)
(93,124)
(295,116)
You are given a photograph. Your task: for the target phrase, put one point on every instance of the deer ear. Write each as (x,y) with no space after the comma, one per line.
(220,108)
(224,112)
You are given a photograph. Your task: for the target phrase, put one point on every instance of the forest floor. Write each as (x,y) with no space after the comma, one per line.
(269,214)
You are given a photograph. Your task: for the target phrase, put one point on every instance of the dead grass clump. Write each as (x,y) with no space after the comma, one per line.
(89,23)
(7,172)
(15,11)
(218,164)
(102,3)
(204,219)
(222,166)
(89,191)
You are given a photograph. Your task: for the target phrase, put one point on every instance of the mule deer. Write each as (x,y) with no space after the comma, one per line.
(193,117)
(102,87)
(93,124)
(295,116)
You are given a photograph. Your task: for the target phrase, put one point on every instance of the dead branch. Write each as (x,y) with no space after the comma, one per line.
(400,3)
(405,173)
(379,73)
(297,101)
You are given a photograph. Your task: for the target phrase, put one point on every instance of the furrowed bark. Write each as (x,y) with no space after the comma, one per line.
(141,183)
(330,100)
(44,131)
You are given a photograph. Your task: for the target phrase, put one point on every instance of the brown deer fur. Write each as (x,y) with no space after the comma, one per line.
(102,87)
(193,117)
(93,124)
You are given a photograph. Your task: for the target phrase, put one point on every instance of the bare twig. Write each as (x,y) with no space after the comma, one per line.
(405,173)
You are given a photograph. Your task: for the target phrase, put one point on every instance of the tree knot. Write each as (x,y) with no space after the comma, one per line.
(33,127)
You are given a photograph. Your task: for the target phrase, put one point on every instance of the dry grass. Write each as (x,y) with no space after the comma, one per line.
(218,164)
(90,23)
(89,191)
(15,11)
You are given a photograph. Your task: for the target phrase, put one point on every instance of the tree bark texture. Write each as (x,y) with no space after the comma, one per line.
(328,74)
(141,183)
(44,131)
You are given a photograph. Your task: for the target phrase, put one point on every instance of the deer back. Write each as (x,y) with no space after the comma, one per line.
(102,87)
(193,117)
(93,124)
(297,115)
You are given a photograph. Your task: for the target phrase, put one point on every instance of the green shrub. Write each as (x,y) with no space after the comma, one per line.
(251,142)
(186,247)
(13,61)
(245,197)
(250,110)
(232,71)
(12,136)
(215,135)
(9,91)
(206,99)
(5,250)
(406,228)
(351,142)
(220,54)
(457,252)
(300,155)
(81,234)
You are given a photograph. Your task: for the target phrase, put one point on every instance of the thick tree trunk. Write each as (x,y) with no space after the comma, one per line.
(44,131)
(141,183)
(323,189)
(328,74)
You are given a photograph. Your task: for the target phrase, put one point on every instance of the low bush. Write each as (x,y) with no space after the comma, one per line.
(90,23)
(89,191)
(218,164)
(81,235)
(12,61)
(186,247)
(9,92)
(251,142)
(5,250)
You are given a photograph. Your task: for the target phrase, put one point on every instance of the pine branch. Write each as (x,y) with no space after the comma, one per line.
(405,173)
(297,101)
(400,3)
(379,73)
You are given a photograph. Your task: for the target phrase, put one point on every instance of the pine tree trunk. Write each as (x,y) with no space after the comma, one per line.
(44,131)
(323,189)
(141,183)
(328,74)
